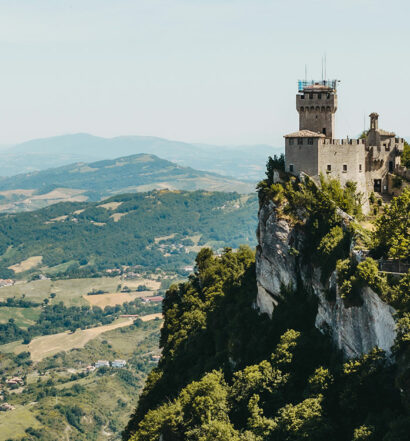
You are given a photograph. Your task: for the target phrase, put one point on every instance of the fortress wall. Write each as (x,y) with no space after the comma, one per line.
(340,153)
(303,157)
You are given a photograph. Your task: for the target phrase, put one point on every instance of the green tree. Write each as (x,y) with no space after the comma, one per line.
(393,228)
(405,158)
(275,163)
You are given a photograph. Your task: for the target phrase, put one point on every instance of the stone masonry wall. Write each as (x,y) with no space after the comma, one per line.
(304,157)
(347,159)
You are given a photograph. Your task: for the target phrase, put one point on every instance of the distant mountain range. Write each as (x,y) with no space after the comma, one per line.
(97,180)
(242,162)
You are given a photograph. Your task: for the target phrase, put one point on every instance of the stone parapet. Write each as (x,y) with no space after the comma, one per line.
(343,142)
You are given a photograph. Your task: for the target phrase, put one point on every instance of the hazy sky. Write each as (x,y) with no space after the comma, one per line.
(213,71)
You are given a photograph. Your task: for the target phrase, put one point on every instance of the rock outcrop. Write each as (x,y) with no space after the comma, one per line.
(355,330)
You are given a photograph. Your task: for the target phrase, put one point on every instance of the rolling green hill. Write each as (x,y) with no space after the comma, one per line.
(156,229)
(94,181)
(242,162)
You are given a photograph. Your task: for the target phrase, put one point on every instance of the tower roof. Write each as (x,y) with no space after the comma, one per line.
(305,134)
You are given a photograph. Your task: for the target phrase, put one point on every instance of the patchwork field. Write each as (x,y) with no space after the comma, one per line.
(23,317)
(23,200)
(149,317)
(13,424)
(106,398)
(73,292)
(27,264)
(111,205)
(153,285)
(48,345)
(116,298)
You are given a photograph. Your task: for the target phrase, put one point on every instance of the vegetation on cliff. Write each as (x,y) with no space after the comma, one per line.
(228,373)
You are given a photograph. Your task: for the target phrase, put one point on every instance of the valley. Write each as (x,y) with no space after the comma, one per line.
(57,383)
(160,229)
(81,285)
(62,396)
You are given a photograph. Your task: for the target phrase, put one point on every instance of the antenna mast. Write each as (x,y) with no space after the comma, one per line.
(322,68)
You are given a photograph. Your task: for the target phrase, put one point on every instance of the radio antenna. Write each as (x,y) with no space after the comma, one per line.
(322,68)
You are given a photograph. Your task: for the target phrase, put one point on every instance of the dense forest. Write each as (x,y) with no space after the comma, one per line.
(126,230)
(229,373)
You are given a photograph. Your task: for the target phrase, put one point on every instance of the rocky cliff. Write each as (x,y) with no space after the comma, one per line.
(354,329)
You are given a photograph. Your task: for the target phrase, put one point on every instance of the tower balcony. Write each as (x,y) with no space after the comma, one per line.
(317,86)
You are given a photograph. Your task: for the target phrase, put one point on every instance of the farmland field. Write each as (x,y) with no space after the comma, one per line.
(60,382)
(48,345)
(13,424)
(23,317)
(71,292)
(117,298)
(27,264)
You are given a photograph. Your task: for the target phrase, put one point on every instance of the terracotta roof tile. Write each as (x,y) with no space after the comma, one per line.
(305,134)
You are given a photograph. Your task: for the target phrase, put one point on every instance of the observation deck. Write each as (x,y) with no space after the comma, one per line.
(318,86)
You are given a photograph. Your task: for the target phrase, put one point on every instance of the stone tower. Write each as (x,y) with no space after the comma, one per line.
(316,103)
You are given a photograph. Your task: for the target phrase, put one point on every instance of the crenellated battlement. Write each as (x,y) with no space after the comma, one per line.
(344,142)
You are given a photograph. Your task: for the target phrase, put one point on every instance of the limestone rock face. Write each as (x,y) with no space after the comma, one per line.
(355,330)
(358,329)
(274,262)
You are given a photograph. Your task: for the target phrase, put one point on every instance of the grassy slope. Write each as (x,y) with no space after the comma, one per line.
(106,400)
(71,292)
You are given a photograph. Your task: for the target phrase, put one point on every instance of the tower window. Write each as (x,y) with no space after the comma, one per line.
(344,168)
(302,97)
(300,141)
(291,168)
(291,140)
(360,167)
(329,168)
(324,130)
(310,141)
(311,96)
(319,95)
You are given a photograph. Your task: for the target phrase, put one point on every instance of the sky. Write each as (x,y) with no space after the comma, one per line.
(207,71)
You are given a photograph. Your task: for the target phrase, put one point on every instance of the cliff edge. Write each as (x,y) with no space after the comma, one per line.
(286,257)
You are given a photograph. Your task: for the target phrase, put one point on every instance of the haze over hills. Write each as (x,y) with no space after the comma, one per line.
(243,162)
(94,181)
